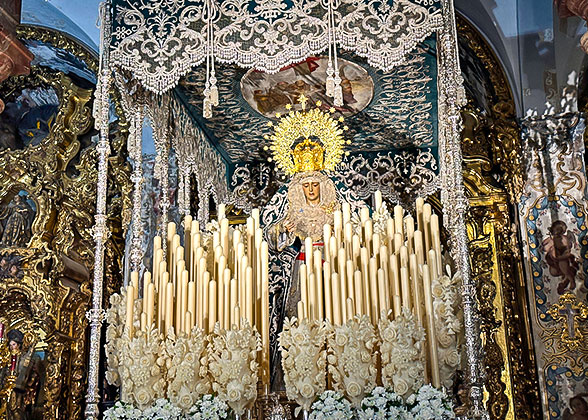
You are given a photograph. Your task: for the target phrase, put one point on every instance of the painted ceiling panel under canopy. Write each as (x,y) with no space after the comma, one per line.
(385,111)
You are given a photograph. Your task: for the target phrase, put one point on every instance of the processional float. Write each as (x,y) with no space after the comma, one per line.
(375,304)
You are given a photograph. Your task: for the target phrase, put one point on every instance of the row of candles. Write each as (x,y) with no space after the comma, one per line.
(366,273)
(356,273)
(225,282)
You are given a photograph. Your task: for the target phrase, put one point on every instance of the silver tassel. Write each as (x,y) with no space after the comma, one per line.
(338,92)
(207,105)
(213,91)
(330,80)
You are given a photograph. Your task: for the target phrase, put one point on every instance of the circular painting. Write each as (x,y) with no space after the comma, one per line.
(270,93)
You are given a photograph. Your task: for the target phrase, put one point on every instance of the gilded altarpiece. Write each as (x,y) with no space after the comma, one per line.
(491,143)
(47,196)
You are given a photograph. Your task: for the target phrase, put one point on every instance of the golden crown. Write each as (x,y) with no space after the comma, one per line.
(299,127)
(308,156)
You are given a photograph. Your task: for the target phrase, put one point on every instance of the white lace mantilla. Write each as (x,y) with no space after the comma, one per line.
(159,41)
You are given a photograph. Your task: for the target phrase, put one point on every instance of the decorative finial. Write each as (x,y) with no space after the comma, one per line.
(302,100)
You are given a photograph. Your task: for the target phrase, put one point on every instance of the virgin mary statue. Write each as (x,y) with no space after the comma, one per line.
(295,217)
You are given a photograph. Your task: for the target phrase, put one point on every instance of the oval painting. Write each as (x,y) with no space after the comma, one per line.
(269,94)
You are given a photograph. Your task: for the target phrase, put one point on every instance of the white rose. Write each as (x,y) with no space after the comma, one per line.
(307,390)
(400,386)
(353,389)
(143,397)
(234,391)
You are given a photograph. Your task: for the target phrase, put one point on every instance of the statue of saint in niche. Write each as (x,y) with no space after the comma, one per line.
(16,220)
(22,374)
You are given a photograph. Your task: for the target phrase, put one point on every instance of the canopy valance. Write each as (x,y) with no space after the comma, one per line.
(159,41)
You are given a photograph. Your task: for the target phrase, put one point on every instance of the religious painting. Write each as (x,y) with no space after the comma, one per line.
(557,245)
(27,119)
(577,408)
(10,267)
(16,221)
(269,94)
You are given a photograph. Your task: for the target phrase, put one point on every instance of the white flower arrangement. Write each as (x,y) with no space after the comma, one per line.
(448,324)
(142,368)
(382,404)
(122,411)
(303,360)
(208,407)
(331,405)
(162,410)
(429,403)
(352,358)
(232,356)
(115,318)
(186,368)
(403,364)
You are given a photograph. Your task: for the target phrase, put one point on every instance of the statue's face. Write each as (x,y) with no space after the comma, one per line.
(14,346)
(312,191)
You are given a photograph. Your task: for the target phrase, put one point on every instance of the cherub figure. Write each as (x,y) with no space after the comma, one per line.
(558,255)
(579,408)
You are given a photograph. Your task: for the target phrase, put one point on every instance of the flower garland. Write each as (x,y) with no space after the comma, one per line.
(429,403)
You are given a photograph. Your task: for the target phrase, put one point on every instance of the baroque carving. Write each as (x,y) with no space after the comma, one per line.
(50,273)
(494,176)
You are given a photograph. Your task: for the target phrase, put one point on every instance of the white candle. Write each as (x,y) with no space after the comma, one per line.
(378,201)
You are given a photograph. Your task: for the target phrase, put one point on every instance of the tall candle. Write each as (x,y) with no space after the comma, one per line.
(189,322)
(419,249)
(343,292)
(415,285)
(395,283)
(143,322)
(346,210)
(328,292)
(359,298)
(300,310)
(255,216)
(351,284)
(308,253)
(224,228)
(398,219)
(135,284)
(171,231)
(318,272)
(373,288)
(369,232)
(206,301)
(150,304)
(227,299)
(336,287)
(382,302)
(130,309)
(304,294)
(364,214)
(313,301)
(405,288)
(234,293)
(431,333)
(221,211)
(326,240)
(350,309)
(420,202)
(188,240)
(427,211)
(169,307)
(212,300)
(409,222)
(378,201)
(191,302)
(249,295)
(157,257)
(162,301)
(146,282)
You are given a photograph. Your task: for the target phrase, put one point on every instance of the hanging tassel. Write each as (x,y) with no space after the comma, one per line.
(207,105)
(338,92)
(330,80)
(213,90)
